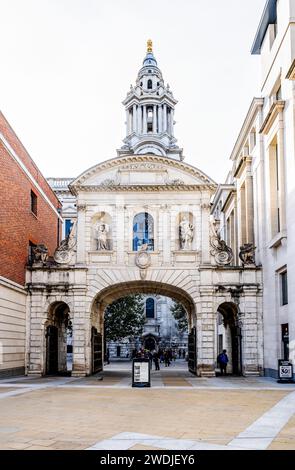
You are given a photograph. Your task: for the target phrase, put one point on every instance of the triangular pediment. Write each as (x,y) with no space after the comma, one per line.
(141,171)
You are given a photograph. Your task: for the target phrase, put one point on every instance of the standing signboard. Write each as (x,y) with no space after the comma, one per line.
(141,372)
(285,371)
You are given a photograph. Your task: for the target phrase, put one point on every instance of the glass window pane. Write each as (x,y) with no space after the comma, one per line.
(150,308)
(143,231)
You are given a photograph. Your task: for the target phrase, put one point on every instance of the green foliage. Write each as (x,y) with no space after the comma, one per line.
(180,315)
(124,317)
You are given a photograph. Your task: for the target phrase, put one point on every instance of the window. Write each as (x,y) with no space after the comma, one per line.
(33,203)
(143,231)
(68,226)
(150,84)
(284,288)
(274,184)
(31,253)
(150,308)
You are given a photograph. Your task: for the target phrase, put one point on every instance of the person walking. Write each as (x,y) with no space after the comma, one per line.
(156,360)
(166,358)
(222,360)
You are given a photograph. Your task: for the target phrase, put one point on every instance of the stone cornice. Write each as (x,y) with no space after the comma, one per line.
(241,165)
(142,159)
(232,195)
(275,109)
(144,187)
(291,72)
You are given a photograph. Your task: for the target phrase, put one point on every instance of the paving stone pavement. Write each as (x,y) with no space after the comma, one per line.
(178,411)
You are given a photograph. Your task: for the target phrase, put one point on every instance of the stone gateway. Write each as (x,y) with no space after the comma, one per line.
(143,226)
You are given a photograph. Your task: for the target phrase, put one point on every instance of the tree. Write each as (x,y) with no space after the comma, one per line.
(124,317)
(180,316)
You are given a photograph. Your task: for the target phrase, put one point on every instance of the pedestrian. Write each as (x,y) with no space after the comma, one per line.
(156,360)
(150,356)
(183,354)
(179,353)
(222,360)
(167,358)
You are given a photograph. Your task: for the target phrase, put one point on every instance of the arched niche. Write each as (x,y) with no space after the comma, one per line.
(185,231)
(101,239)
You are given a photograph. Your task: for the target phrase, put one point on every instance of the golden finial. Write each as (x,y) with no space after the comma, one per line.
(149,45)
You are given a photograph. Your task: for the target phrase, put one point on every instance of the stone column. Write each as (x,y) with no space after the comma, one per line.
(81,228)
(205,230)
(144,130)
(171,122)
(165,118)
(251,330)
(206,334)
(120,233)
(281,175)
(160,119)
(134,116)
(127,122)
(166,235)
(154,119)
(81,341)
(139,119)
(249,205)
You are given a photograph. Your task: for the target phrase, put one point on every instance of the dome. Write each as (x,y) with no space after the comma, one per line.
(150,60)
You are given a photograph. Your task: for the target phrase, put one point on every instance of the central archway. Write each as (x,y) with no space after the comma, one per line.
(114,292)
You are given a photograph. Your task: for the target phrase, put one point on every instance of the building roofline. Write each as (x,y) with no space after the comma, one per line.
(268,17)
(253,109)
(220,188)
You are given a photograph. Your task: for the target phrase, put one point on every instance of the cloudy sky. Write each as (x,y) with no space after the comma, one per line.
(66,66)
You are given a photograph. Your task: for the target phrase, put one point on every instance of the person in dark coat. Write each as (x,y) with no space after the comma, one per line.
(222,361)
(156,360)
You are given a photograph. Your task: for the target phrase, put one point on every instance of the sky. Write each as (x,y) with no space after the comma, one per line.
(67,65)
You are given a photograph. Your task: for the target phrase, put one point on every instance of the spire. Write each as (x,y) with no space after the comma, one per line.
(149,45)
(150,113)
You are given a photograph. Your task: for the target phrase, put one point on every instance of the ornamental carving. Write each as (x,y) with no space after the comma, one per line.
(63,254)
(140,162)
(222,253)
(109,183)
(40,254)
(143,260)
(174,182)
(247,253)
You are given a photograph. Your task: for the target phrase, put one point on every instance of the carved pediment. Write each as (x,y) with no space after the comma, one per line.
(139,172)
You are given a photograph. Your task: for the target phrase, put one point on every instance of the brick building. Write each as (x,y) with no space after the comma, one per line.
(29,215)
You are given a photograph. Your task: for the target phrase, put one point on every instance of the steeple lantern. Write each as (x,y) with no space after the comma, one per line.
(150,113)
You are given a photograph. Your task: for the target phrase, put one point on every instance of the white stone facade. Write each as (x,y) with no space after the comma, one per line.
(143,226)
(256,205)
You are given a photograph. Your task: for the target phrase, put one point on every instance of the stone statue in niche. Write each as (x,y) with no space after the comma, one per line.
(102,236)
(186,234)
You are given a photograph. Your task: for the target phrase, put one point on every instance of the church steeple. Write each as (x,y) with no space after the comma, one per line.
(150,113)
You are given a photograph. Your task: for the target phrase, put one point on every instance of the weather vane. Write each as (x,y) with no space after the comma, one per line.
(149,45)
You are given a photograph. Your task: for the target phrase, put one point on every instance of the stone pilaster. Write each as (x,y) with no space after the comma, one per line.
(206,334)
(81,229)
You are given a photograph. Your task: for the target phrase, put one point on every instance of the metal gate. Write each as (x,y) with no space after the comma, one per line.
(96,341)
(192,353)
(51,350)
